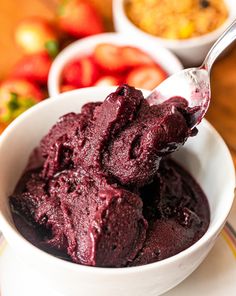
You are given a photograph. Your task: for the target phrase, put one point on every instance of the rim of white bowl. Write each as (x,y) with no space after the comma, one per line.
(87,44)
(13,235)
(121,16)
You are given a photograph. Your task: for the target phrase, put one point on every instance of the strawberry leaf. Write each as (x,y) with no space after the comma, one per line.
(13,103)
(52,48)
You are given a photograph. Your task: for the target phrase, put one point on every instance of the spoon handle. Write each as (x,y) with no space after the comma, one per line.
(219,46)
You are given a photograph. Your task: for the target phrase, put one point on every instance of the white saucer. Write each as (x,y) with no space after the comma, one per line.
(215,277)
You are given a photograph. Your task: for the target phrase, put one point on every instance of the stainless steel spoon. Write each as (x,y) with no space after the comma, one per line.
(193,84)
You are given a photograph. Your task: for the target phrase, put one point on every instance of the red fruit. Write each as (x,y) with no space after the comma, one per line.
(109,57)
(34,68)
(35,34)
(79,19)
(89,72)
(16,96)
(67,87)
(120,58)
(107,81)
(21,87)
(72,73)
(80,73)
(134,57)
(146,77)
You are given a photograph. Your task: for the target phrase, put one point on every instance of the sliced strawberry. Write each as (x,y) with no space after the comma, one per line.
(146,77)
(80,73)
(79,18)
(34,67)
(133,57)
(89,72)
(67,87)
(107,81)
(119,58)
(72,73)
(109,57)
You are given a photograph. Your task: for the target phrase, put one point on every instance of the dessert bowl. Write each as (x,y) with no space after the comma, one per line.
(191,51)
(205,156)
(162,56)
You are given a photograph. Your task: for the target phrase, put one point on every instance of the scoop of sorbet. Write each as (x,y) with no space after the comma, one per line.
(123,137)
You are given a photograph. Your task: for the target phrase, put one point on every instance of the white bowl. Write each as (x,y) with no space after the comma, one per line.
(85,46)
(191,51)
(205,156)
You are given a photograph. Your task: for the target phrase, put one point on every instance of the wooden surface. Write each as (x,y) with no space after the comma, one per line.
(222,112)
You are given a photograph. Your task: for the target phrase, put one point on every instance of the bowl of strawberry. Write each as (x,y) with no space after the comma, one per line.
(110,59)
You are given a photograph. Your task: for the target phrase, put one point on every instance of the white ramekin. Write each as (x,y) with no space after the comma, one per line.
(191,51)
(84,46)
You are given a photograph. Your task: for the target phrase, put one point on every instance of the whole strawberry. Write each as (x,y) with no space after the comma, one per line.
(16,96)
(35,34)
(34,68)
(79,18)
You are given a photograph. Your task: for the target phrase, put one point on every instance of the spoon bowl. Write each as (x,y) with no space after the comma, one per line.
(193,84)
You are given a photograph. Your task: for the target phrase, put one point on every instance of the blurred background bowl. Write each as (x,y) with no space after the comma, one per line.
(162,56)
(191,51)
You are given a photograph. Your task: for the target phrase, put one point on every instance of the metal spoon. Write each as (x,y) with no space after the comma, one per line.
(193,84)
